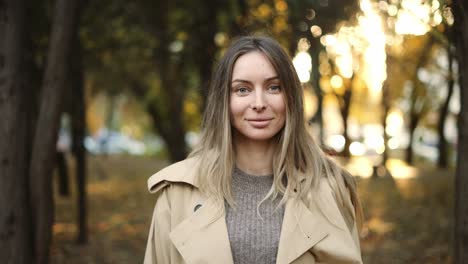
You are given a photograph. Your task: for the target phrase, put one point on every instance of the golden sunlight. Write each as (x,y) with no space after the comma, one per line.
(395,123)
(357,148)
(303,65)
(375,68)
(337,142)
(416,17)
(360,166)
(393,143)
(413,18)
(336,82)
(361,48)
(400,169)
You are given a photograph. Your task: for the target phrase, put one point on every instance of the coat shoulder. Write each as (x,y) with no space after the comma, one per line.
(180,172)
(326,201)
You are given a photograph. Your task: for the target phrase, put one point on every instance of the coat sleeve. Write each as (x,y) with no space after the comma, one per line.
(157,247)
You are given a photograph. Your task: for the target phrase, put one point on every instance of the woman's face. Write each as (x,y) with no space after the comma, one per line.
(257,106)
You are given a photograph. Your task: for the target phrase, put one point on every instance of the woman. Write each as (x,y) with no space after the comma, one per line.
(257,189)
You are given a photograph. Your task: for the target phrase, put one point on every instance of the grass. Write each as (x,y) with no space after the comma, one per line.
(406,220)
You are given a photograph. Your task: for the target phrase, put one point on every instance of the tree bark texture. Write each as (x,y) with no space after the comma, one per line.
(45,137)
(15,233)
(461,178)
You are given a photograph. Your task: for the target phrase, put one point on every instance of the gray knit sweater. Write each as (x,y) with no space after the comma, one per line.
(253,238)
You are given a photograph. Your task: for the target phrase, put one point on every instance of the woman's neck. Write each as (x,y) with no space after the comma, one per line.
(254,157)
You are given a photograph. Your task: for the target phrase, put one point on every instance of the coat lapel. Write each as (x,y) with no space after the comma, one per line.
(300,231)
(203,237)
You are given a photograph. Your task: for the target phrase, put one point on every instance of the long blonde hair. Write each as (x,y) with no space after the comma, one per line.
(298,163)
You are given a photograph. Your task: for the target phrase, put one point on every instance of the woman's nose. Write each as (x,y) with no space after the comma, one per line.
(259,103)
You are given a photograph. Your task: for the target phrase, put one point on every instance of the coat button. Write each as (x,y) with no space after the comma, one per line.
(197,207)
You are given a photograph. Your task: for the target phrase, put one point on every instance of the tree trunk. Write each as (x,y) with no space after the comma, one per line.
(110,116)
(409,157)
(43,151)
(238,26)
(62,173)
(168,121)
(78,116)
(172,131)
(416,112)
(206,30)
(461,179)
(15,232)
(345,107)
(442,161)
(170,126)
(386,110)
(314,51)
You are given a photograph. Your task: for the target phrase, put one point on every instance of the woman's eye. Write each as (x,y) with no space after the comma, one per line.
(275,88)
(242,90)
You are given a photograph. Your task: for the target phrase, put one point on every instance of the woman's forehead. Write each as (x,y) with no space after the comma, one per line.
(253,64)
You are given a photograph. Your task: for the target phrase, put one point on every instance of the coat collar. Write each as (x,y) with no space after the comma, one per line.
(180,172)
(205,231)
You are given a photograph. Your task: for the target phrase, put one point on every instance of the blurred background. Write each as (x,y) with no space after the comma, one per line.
(382,97)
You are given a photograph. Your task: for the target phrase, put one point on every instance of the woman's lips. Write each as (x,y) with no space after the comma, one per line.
(259,123)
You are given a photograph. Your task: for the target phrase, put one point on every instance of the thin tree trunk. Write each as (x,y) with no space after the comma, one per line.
(442,161)
(409,156)
(171,128)
(461,179)
(206,29)
(386,110)
(415,113)
(314,53)
(110,115)
(15,232)
(78,113)
(238,26)
(345,107)
(296,16)
(169,122)
(62,173)
(43,152)
(172,132)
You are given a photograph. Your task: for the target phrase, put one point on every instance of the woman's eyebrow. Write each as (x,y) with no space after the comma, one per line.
(246,81)
(272,78)
(240,80)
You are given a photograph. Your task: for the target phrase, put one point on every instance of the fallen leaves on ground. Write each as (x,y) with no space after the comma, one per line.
(406,220)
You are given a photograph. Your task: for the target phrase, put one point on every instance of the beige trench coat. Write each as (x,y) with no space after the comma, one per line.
(187,227)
